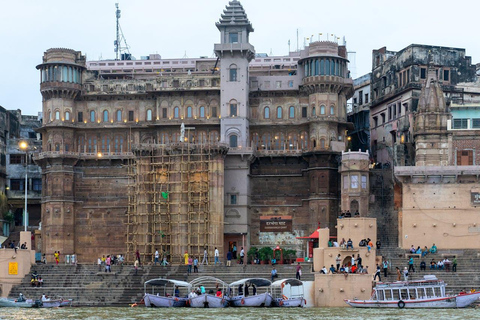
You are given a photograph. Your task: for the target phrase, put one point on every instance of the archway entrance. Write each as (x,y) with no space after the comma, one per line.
(354,206)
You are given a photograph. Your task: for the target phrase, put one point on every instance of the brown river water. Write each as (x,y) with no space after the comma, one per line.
(236,313)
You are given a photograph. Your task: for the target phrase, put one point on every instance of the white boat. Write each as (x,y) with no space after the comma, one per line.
(426,293)
(209,299)
(241,299)
(66,303)
(15,303)
(169,294)
(295,297)
(49,303)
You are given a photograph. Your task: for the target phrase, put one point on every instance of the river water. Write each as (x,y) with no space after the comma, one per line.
(235,313)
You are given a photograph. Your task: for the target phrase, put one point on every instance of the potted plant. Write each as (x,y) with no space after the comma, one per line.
(290,255)
(252,254)
(278,256)
(265,254)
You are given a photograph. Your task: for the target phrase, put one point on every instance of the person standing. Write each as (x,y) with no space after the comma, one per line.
(410,265)
(359,261)
(137,255)
(229,258)
(385,268)
(108,264)
(242,255)
(377,274)
(185,256)
(399,274)
(157,255)
(454,264)
(353,260)
(135,266)
(190,263)
(217,255)
(299,271)
(195,265)
(234,252)
(338,260)
(405,274)
(205,256)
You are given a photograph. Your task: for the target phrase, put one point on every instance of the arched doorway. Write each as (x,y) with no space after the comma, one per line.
(354,206)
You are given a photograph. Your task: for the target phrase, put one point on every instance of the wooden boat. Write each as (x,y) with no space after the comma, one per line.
(426,293)
(169,294)
(209,298)
(294,297)
(15,303)
(239,299)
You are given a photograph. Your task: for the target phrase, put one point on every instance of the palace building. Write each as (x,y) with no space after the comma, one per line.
(182,154)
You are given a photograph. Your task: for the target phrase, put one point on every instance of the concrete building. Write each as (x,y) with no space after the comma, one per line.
(266,133)
(18,161)
(359,114)
(397,78)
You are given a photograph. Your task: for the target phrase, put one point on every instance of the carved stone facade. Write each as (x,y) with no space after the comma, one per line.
(282,118)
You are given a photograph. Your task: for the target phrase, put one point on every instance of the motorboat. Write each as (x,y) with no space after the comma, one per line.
(169,293)
(215,293)
(19,303)
(243,293)
(51,303)
(426,293)
(288,293)
(66,303)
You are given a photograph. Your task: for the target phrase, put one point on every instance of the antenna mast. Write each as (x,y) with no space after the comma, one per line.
(120,37)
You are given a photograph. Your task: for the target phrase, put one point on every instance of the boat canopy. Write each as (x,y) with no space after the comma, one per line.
(291,282)
(164,282)
(259,282)
(200,280)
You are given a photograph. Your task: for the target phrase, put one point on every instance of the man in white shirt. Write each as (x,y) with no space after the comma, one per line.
(157,255)
(217,254)
(242,255)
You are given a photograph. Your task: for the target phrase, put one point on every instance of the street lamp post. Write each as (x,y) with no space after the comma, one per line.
(23,145)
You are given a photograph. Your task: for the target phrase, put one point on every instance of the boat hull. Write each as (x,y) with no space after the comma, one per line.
(154,301)
(208,301)
(459,301)
(9,303)
(288,303)
(261,300)
(51,303)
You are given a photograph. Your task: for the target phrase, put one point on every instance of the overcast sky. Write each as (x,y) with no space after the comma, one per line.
(178,28)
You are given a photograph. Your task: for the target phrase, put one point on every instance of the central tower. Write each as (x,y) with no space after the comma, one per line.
(234,53)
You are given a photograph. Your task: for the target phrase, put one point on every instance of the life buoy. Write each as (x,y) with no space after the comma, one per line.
(176,299)
(401,304)
(281,303)
(242,301)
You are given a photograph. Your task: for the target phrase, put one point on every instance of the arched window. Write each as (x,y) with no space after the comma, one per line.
(314,113)
(279,141)
(233,72)
(189,112)
(119,115)
(202,112)
(332,110)
(233,141)
(322,143)
(304,140)
(164,138)
(233,108)
(322,109)
(57,147)
(279,113)
(149,115)
(255,141)
(213,137)
(266,141)
(105,144)
(292,143)
(105,116)
(67,115)
(81,144)
(48,119)
(202,137)
(92,116)
(176,112)
(291,112)
(57,115)
(266,113)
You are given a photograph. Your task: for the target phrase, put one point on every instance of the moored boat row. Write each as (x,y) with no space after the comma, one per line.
(210,292)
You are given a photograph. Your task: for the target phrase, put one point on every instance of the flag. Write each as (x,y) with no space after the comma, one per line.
(165,195)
